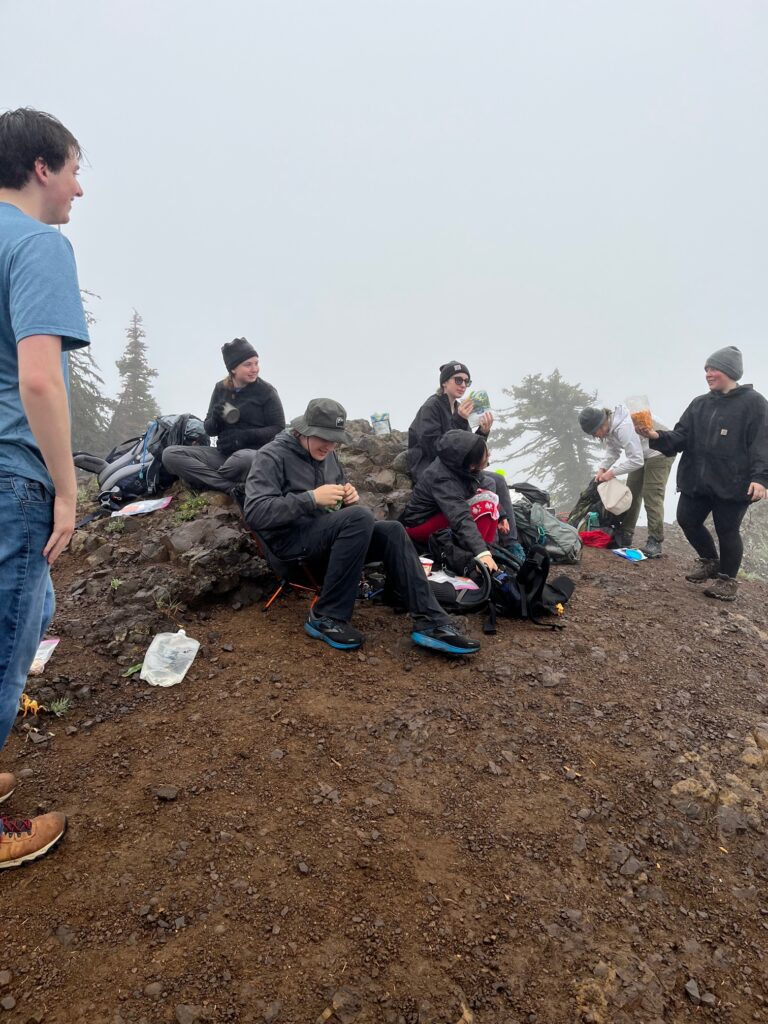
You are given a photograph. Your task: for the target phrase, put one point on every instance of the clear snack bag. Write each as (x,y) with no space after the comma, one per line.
(640,411)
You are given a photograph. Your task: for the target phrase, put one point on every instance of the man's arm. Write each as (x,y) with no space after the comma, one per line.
(44,397)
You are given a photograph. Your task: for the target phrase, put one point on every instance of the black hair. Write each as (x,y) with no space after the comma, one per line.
(27,135)
(474,457)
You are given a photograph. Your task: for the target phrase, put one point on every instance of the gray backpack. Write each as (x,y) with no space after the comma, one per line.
(561,541)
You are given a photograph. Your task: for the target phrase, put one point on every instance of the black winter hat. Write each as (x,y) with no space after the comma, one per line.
(448,369)
(236,352)
(728,360)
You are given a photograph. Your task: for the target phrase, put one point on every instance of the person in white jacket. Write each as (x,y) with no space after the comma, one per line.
(647,471)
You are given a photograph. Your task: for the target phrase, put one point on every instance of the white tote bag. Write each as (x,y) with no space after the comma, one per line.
(615,495)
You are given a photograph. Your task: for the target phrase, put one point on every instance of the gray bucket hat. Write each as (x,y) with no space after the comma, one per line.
(323,418)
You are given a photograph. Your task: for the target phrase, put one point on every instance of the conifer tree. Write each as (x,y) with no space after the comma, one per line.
(135,405)
(90,409)
(544,418)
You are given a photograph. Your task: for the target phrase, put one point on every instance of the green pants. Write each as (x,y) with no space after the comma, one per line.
(648,485)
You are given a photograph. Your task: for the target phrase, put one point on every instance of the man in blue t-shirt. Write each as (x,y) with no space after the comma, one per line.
(41,318)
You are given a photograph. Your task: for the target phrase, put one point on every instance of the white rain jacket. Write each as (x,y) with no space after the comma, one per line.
(625,450)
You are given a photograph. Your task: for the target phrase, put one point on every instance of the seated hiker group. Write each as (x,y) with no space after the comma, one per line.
(297,500)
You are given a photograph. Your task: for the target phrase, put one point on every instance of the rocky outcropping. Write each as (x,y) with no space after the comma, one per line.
(132,576)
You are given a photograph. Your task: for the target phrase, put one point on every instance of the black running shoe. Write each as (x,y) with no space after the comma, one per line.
(338,634)
(445,639)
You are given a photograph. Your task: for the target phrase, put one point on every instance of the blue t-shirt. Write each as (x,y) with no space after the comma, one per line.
(39,294)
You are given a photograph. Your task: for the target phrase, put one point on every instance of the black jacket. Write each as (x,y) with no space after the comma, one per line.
(445,486)
(724,441)
(261,416)
(435,418)
(278,491)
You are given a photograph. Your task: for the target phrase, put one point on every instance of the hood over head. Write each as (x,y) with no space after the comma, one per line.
(459,449)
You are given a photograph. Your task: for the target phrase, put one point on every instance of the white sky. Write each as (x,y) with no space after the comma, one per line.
(366,189)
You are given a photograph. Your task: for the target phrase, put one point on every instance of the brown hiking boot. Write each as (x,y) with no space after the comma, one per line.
(724,588)
(7,785)
(703,569)
(24,839)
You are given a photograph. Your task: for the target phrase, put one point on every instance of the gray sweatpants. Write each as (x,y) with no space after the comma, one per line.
(207,468)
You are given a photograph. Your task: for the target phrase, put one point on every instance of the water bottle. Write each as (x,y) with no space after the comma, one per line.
(593,521)
(168,658)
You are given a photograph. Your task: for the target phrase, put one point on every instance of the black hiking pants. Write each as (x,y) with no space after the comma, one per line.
(727,517)
(350,537)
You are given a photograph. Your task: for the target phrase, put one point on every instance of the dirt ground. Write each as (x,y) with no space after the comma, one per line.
(568,827)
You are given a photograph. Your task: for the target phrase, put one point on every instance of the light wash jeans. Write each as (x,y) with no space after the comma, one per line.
(27,601)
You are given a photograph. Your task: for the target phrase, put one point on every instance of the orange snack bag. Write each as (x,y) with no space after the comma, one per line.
(643,419)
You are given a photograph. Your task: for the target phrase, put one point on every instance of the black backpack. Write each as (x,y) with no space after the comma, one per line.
(526,593)
(462,602)
(134,469)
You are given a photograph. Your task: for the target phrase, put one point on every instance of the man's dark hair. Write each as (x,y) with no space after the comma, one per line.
(25,135)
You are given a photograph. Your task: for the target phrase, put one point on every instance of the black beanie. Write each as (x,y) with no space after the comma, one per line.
(448,369)
(236,352)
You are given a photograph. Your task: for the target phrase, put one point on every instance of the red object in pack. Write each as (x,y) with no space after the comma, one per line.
(596,538)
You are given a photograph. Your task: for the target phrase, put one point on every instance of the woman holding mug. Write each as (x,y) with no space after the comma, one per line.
(245,413)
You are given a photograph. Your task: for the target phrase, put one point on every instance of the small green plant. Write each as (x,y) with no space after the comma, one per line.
(191,508)
(115,525)
(115,583)
(60,706)
(167,605)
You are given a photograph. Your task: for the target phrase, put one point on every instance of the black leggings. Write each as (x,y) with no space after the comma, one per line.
(727,517)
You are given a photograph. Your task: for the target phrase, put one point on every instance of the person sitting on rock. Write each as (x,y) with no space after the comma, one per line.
(450,495)
(298,501)
(245,413)
(448,409)
(723,437)
(647,472)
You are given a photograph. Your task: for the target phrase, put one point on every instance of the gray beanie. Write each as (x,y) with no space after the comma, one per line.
(728,360)
(591,419)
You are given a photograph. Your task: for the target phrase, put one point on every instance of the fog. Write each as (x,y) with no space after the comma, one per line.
(366,189)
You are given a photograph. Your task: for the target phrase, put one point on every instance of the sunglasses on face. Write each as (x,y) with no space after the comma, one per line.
(465,381)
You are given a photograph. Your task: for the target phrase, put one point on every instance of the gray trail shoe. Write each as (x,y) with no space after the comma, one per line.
(723,588)
(703,569)
(652,548)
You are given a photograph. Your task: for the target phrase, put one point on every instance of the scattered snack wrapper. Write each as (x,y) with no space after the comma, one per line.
(43,654)
(140,508)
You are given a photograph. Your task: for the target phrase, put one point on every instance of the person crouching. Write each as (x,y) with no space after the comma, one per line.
(450,494)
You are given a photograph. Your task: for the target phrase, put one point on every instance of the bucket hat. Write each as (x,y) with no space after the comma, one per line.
(323,418)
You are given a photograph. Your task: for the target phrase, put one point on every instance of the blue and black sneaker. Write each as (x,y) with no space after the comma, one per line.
(446,639)
(338,634)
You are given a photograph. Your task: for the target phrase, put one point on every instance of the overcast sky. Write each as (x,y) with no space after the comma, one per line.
(365,189)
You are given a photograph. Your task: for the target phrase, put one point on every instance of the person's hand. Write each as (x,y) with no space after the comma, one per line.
(465,408)
(351,497)
(328,495)
(649,432)
(756,491)
(503,526)
(63,527)
(488,562)
(486,422)
(604,474)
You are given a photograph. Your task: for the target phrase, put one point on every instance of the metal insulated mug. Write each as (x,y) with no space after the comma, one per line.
(230,413)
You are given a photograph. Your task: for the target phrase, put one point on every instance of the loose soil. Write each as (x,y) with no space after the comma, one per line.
(295,834)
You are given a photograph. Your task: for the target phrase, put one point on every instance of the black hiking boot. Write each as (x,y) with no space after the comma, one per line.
(703,569)
(652,548)
(724,588)
(337,634)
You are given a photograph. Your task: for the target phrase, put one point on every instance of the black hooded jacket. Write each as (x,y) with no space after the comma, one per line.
(724,441)
(446,486)
(261,416)
(436,417)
